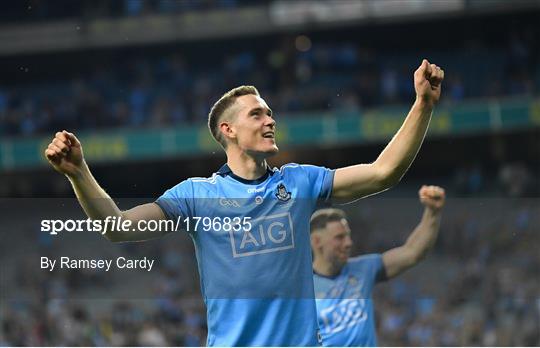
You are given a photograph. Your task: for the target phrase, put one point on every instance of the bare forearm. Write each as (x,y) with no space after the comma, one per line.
(354,182)
(97,204)
(65,154)
(402,149)
(425,234)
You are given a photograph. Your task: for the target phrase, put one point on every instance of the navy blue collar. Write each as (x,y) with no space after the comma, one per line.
(225,170)
(327,277)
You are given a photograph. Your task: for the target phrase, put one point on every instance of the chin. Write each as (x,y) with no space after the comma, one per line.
(266,152)
(270,151)
(274,150)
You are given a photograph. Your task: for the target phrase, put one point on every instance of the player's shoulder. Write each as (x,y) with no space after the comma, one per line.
(296,167)
(288,166)
(364,260)
(195,184)
(205,187)
(211,180)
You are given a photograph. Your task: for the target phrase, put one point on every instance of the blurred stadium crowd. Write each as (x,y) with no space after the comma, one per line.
(488,298)
(295,74)
(481,284)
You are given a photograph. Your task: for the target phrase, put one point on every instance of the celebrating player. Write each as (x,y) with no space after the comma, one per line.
(250,223)
(343,285)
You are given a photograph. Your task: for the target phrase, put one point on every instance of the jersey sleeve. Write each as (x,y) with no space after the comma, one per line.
(175,202)
(370,267)
(321,181)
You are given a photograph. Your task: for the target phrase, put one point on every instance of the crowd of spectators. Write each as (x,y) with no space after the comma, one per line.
(481,291)
(466,292)
(296,74)
(479,286)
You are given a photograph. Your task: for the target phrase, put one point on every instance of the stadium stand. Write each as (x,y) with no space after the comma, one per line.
(479,286)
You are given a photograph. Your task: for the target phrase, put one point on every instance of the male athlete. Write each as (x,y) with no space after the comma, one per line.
(343,285)
(250,223)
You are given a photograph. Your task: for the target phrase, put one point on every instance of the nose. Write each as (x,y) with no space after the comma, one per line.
(270,122)
(348,242)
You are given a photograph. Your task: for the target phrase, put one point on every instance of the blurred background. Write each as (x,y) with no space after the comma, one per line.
(135,81)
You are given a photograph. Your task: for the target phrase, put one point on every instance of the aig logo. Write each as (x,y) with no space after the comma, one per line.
(344,314)
(268,234)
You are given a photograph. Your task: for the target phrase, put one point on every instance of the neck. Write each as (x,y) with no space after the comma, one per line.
(246,166)
(325,268)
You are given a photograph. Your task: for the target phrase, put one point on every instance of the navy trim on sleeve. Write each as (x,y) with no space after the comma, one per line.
(328,184)
(162,206)
(381,275)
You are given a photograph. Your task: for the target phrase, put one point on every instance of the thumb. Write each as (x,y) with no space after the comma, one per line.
(422,69)
(425,67)
(72,138)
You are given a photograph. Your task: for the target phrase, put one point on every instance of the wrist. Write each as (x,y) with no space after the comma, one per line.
(79,173)
(424,103)
(432,212)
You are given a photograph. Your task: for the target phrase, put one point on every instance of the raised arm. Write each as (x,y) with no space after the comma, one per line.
(400,259)
(362,180)
(65,154)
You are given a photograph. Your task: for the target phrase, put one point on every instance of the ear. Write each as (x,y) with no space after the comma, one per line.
(315,240)
(227,130)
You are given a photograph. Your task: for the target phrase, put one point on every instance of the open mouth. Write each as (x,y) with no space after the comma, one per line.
(269,135)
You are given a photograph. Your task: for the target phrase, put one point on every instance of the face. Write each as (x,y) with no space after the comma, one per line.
(336,243)
(253,128)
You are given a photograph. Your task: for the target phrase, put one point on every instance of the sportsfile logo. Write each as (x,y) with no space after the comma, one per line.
(268,234)
(343,315)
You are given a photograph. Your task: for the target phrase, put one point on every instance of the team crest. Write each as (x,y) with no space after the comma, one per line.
(282,194)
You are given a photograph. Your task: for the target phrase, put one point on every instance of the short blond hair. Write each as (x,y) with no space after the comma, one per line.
(222,105)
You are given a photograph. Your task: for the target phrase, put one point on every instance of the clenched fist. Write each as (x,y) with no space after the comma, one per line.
(65,153)
(427,82)
(432,197)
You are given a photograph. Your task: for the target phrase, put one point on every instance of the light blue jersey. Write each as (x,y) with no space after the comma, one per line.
(344,303)
(256,276)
